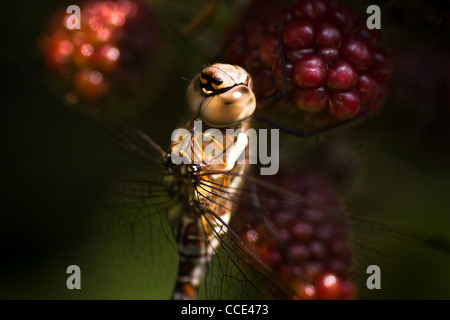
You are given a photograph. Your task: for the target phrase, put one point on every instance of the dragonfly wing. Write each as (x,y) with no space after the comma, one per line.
(242,267)
(236,272)
(83,191)
(412,265)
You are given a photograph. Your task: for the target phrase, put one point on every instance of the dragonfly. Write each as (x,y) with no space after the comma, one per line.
(144,204)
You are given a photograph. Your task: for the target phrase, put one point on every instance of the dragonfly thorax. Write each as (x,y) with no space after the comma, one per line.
(205,158)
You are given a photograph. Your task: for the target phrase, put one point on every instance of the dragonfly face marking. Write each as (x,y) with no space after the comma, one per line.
(221,95)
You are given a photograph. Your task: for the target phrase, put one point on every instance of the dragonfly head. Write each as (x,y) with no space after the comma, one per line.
(221,95)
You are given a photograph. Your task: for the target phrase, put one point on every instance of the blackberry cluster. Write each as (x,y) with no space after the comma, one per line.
(307,245)
(108,54)
(336,67)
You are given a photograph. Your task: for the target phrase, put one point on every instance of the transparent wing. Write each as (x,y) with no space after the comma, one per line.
(285,229)
(81,190)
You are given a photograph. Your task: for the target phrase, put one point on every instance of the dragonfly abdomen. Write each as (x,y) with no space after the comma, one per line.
(192,245)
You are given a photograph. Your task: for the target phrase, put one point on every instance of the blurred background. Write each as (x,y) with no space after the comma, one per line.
(392,168)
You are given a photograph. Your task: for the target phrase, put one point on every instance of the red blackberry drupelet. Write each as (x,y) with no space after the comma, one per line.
(110,52)
(304,242)
(336,68)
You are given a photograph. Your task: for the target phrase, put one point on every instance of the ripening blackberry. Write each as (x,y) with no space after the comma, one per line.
(110,52)
(335,67)
(304,242)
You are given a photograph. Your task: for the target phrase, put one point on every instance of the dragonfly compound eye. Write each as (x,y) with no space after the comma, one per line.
(221,95)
